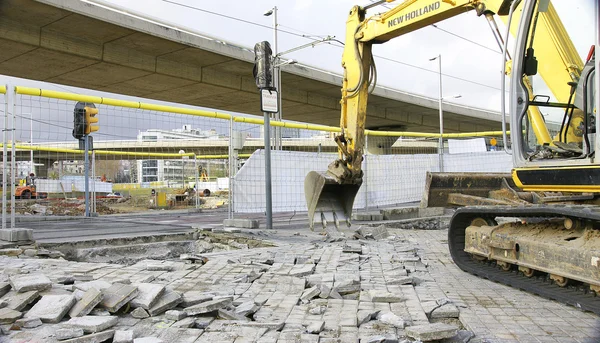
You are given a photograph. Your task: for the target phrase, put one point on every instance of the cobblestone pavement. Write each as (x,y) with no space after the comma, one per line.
(400,287)
(497,313)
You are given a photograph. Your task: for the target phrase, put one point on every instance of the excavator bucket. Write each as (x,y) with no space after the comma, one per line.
(328,201)
(441,188)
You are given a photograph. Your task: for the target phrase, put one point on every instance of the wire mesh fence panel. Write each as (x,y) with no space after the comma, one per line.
(140,159)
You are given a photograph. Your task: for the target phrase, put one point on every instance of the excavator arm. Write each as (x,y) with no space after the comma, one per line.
(330,195)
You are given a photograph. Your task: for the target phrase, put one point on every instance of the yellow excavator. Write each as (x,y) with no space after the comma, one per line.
(548,249)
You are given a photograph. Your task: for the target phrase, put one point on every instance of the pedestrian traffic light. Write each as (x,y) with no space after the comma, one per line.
(78,123)
(90,119)
(263,69)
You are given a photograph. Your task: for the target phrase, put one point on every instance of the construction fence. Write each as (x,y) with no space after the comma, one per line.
(149,156)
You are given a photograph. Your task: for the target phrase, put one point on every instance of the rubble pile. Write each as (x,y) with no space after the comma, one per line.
(346,291)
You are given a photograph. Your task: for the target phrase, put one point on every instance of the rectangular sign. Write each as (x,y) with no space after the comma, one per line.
(268,101)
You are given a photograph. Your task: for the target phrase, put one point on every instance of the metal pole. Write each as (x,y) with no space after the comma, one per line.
(441,142)
(268,199)
(4,161)
(230,195)
(365,172)
(94,181)
(13,156)
(196,186)
(86,168)
(31,141)
(277,76)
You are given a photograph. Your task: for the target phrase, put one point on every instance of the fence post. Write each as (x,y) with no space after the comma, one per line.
(230,157)
(365,173)
(13,168)
(196,185)
(4,159)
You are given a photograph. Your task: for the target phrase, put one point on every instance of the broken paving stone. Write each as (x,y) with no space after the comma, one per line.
(4,288)
(431,332)
(92,324)
(175,315)
(51,308)
(315,327)
(381,339)
(192,298)
(116,296)
(363,316)
(139,313)
(97,284)
(378,296)
(148,340)
(391,319)
(309,293)
(11,252)
(28,323)
(463,336)
(229,315)
(203,322)
(93,338)
(169,300)
(247,308)
(317,310)
(185,323)
(148,295)
(68,333)
(302,270)
(198,259)
(66,280)
(84,306)
(99,312)
(123,336)
(445,311)
(209,306)
(400,281)
(9,316)
(30,282)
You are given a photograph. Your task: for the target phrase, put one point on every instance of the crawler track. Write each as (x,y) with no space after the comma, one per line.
(580,297)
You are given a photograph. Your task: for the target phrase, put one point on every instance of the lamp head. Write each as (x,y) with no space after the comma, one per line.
(268,13)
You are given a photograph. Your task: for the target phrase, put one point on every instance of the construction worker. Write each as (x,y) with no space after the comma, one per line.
(29,180)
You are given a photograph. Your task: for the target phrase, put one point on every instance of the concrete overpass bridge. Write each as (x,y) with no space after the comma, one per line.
(80,44)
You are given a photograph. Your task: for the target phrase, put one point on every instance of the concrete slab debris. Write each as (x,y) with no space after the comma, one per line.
(9,316)
(89,300)
(139,313)
(30,282)
(378,296)
(148,340)
(92,324)
(51,308)
(431,332)
(116,296)
(4,288)
(241,223)
(68,333)
(93,338)
(148,295)
(123,336)
(175,315)
(97,284)
(445,311)
(191,298)
(188,322)
(28,323)
(209,306)
(167,301)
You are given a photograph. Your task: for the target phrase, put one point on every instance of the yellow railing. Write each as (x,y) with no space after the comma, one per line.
(219,115)
(120,153)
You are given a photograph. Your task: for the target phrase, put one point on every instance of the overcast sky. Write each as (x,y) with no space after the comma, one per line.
(474,57)
(469,51)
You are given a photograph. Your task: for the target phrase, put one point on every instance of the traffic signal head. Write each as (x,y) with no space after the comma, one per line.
(78,123)
(263,69)
(90,119)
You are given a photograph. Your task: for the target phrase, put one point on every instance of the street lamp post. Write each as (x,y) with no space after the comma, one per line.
(441,140)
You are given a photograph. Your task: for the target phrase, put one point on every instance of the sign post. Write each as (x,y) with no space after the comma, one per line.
(263,75)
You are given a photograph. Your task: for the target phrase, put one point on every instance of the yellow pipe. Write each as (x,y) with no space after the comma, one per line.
(315,127)
(118,103)
(433,135)
(210,114)
(119,153)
